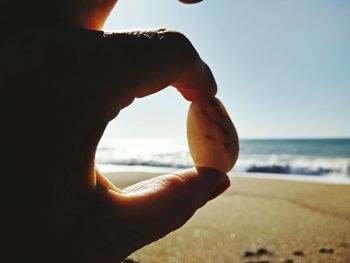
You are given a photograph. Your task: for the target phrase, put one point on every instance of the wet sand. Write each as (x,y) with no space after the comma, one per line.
(259,221)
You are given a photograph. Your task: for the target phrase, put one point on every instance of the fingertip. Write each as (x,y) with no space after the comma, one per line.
(211,83)
(220,189)
(190,1)
(212,182)
(209,171)
(198,85)
(195,94)
(190,95)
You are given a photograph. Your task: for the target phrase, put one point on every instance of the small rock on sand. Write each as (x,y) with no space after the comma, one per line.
(326,250)
(263,251)
(298,253)
(129,260)
(249,254)
(259,261)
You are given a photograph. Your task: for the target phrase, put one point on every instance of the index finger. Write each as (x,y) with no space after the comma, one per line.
(160,58)
(135,64)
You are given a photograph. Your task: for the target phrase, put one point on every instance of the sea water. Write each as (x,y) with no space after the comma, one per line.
(319,158)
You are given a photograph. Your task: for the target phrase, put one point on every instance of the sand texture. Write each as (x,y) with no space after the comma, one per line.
(260,220)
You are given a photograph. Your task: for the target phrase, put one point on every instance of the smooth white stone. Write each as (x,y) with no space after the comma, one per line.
(211,135)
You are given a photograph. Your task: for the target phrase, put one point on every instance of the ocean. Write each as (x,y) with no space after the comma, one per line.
(319,158)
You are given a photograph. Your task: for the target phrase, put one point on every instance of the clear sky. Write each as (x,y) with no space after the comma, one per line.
(282,66)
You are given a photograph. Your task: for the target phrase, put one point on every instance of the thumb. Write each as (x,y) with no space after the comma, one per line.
(165,203)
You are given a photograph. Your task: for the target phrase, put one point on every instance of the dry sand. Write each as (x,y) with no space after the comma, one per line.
(282,217)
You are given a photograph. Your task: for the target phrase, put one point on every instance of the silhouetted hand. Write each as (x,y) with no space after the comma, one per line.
(62,85)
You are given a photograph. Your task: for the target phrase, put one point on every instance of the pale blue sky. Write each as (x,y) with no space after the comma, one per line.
(282,66)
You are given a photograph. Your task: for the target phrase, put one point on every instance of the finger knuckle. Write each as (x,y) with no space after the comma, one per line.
(176,182)
(180,40)
(177,36)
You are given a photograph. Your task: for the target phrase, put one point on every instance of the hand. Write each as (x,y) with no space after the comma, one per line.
(71,82)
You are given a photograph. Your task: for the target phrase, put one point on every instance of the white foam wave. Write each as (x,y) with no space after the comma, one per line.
(173,153)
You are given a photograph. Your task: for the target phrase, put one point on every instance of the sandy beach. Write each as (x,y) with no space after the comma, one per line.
(258,220)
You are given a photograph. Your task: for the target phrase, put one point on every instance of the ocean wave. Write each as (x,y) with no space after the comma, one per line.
(251,164)
(175,154)
(294,164)
(277,169)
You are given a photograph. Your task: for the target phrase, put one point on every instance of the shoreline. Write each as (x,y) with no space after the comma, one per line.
(326,179)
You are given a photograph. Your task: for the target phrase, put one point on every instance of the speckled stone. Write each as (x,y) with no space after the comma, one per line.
(212,137)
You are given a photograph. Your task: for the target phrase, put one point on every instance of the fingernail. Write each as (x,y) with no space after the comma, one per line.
(222,187)
(213,182)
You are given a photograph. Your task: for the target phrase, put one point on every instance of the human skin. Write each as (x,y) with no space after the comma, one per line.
(62,81)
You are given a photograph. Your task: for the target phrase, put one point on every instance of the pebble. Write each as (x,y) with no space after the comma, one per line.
(130,260)
(211,135)
(326,250)
(263,251)
(249,254)
(298,253)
